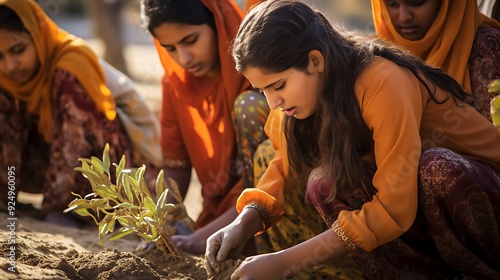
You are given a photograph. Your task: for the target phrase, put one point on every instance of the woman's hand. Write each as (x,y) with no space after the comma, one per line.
(190,244)
(227,242)
(230,240)
(288,262)
(266,266)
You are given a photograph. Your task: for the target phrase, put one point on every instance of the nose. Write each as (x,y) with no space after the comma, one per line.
(184,56)
(273,100)
(405,14)
(11,63)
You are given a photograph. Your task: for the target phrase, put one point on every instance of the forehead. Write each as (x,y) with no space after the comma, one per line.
(261,78)
(172,33)
(10,38)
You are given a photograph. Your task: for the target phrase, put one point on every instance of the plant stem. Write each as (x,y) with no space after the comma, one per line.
(171,247)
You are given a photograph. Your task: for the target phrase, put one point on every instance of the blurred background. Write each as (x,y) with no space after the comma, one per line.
(114,30)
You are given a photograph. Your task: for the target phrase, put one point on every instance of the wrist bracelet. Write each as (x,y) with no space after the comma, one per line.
(262,213)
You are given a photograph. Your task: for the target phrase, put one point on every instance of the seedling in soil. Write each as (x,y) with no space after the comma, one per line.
(128,202)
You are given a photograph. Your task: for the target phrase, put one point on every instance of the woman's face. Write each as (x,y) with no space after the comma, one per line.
(18,58)
(413,18)
(294,91)
(194,47)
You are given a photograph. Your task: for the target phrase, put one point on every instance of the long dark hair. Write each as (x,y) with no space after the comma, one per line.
(156,12)
(278,35)
(10,21)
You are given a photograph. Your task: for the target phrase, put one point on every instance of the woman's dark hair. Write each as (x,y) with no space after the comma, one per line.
(10,21)
(156,12)
(278,35)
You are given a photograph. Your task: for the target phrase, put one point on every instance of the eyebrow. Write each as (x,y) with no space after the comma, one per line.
(272,84)
(182,40)
(19,43)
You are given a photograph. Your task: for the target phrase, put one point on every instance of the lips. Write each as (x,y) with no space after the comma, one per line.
(194,68)
(290,111)
(18,75)
(408,30)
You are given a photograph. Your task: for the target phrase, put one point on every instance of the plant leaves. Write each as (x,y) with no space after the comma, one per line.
(160,188)
(128,201)
(119,234)
(127,222)
(162,200)
(149,204)
(494,86)
(107,227)
(147,237)
(126,205)
(126,187)
(97,164)
(105,158)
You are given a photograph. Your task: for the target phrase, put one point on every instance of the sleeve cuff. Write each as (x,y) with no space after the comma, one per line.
(263,215)
(268,208)
(348,243)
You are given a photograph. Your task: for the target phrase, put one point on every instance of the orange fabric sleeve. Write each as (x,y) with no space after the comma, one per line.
(172,142)
(269,192)
(196,117)
(394,119)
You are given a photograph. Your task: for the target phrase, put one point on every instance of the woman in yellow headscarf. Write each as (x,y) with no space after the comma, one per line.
(54,107)
(449,34)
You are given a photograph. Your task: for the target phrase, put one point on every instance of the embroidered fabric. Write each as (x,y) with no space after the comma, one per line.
(343,237)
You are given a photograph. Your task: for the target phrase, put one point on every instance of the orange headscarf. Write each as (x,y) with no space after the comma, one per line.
(56,49)
(250,3)
(448,42)
(213,151)
(227,19)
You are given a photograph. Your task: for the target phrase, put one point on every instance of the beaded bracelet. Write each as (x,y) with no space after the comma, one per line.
(264,216)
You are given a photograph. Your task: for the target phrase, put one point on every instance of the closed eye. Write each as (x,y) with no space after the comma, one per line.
(280,87)
(392,4)
(416,2)
(188,40)
(169,49)
(18,49)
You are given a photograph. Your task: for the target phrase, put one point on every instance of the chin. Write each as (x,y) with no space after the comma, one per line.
(415,37)
(198,74)
(301,116)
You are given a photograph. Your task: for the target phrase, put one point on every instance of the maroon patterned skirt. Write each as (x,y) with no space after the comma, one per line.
(79,130)
(456,232)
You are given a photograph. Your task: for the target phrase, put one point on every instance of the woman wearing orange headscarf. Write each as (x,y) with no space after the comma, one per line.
(452,35)
(211,120)
(54,108)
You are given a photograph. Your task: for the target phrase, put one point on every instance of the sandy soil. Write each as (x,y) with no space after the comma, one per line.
(33,249)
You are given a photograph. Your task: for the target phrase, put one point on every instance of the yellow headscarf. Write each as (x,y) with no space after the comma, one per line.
(56,49)
(448,42)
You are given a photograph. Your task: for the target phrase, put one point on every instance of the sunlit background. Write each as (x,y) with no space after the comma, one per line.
(113,29)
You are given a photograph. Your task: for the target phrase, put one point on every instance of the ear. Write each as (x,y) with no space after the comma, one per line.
(316,62)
